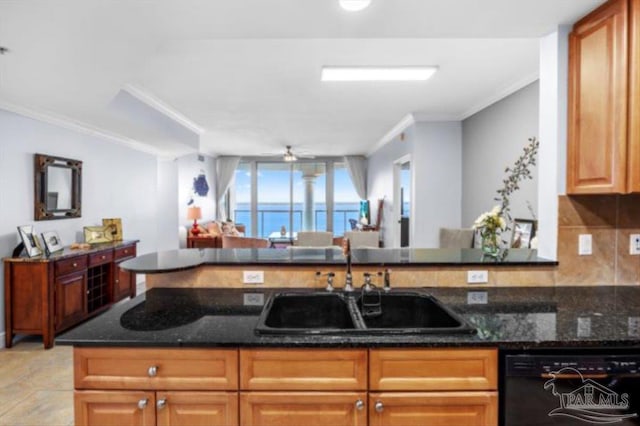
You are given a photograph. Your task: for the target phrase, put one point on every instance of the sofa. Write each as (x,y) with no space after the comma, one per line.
(210,235)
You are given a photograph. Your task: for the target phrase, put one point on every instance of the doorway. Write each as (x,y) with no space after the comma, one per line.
(402,190)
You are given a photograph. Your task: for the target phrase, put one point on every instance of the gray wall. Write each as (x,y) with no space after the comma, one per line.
(117,182)
(492,139)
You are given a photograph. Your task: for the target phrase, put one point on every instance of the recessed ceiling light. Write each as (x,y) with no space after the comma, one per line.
(354,5)
(377,73)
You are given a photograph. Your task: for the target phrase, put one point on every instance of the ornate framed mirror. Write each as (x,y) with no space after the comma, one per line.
(58,187)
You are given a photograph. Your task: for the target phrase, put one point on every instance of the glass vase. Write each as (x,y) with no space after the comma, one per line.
(490,245)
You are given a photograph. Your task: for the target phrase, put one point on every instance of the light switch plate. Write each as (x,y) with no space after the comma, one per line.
(633,329)
(477,277)
(584,245)
(253,277)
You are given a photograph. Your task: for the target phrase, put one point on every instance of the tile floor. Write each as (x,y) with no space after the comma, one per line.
(36,385)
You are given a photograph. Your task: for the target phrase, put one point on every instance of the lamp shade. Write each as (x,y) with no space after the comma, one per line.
(194,213)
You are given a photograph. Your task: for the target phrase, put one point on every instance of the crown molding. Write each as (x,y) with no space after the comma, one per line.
(76,126)
(162,107)
(406,122)
(500,95)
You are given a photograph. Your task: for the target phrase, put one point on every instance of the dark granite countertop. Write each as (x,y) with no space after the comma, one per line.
(177,260)
(69,252)
(514,318)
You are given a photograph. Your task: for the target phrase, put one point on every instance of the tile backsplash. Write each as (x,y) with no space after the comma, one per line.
(610,219)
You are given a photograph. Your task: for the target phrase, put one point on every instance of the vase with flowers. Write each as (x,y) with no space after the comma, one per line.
(490,225)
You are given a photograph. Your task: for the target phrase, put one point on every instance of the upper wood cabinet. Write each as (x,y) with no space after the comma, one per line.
(603,153)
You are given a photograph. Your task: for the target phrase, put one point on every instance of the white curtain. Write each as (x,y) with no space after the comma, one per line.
(225,170)
(357,167)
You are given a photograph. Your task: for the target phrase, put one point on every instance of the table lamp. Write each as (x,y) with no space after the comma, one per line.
(194,213)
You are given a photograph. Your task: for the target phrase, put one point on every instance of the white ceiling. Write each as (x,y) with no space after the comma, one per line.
(243,76)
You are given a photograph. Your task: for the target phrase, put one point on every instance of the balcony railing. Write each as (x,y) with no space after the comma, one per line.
(272,220)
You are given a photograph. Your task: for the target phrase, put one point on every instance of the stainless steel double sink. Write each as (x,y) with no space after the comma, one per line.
(359,313)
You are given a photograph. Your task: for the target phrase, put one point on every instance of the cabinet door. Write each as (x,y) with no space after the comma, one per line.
(433,409)
(633,175)
(598,83)
(197,408)
(123,285)
(70,299)
(98,408)
(303,408)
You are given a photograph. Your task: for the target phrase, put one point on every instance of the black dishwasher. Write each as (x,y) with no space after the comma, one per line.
(557,389)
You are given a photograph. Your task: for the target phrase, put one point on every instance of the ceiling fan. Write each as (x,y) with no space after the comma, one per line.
(288,155)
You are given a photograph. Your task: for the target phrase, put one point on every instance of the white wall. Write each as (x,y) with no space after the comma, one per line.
(117,182)
(436,164)
(188,168)
(435,150)
(167,205)
(492,139)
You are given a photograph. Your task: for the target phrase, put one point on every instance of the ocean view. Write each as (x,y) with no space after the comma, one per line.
(272,216)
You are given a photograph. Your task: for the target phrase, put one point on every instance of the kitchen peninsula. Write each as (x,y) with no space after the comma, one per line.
(185,352)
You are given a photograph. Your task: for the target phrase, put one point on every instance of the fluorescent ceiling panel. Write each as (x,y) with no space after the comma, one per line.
(377,73)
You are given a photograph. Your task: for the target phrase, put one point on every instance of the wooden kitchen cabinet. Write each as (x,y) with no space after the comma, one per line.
(439,387)
(181,386)
(167,408)
(287,386)
(603,150)
(303,408)
(46,295)
(433,408)
(114,408)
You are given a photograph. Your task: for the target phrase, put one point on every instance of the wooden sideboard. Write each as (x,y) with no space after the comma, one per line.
(45,296)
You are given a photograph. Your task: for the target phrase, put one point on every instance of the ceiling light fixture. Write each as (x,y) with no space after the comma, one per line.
(377,73)
(289,156)
(354,5)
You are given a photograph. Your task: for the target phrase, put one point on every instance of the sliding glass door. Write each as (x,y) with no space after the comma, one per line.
(298,196)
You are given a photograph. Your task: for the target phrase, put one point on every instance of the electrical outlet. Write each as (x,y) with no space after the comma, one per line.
(584,245)
(253,299)
(477,298)
(253,277)
(477,277)
(634,244)
(633,329)
(584,327)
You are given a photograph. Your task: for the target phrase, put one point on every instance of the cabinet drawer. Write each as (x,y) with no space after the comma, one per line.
(433,369)
(100,258)
(124,252)
(167,369)
(68,266)
(303,369)
(303,408)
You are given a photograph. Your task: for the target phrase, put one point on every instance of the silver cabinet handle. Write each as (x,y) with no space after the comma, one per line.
(379,407)
(75,265)
(104,257)
(142,404)
(359,405)
(161,404)
(152,371)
